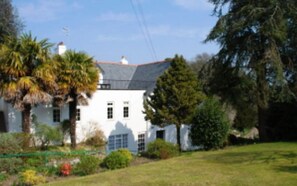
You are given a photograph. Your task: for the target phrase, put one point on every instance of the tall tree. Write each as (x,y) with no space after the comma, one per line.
(10,23)
(250,34)
(77,80)
(175,97)
(27,74)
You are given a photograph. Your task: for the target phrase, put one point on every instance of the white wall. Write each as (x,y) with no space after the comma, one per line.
(95,116)
(96,112)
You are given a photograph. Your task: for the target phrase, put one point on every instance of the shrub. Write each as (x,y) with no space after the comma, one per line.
(3,177)
(96,139)
(115,160)
(126,153)
(161,149)
(47,134)
(87,165)
(9,144)
(29,177)
(65,128)
(65,169)
(34,162)
(210,125)
(10,165)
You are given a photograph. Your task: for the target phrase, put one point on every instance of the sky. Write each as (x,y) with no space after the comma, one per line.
(141,30)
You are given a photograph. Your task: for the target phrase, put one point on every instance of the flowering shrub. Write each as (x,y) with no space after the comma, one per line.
(65,169)
(29,177)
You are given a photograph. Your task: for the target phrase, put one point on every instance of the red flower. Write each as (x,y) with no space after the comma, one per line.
(65,169)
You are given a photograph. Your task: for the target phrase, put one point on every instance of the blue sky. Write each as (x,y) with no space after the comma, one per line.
(108,29)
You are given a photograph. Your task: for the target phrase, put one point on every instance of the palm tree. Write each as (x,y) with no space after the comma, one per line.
(27,75)
(77,80)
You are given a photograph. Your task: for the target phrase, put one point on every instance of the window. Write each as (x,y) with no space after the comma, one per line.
(56,115)
(77,114)
(160,134)
(126,109)
(141,142)
(118,141)
(110,110)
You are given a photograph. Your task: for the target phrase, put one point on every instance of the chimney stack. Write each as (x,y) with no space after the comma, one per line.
(124,61)
(61,48)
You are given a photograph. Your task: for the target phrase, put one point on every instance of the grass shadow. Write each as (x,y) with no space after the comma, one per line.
(290,169)
(252,157)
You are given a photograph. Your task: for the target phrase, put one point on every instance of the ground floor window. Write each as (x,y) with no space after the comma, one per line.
(117,141)
(160,134)
(141,142)
(56,115)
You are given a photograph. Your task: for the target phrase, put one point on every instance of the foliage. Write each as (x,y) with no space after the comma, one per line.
(65,169)
(10,23)
(175,97)
(23,139)
(11,165)
(161,149)
(9,144)
(115,160)
(256,36)
(34,162)
(30,177)
(46,134)
(27,73)
(96,138)
(65,128)
(87,165)
(77,77)
(3,177)
(126,153)
(210,125)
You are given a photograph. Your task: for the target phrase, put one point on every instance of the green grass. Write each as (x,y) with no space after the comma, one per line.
(260,164)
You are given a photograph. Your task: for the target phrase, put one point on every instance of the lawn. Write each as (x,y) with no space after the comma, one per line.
(260,164)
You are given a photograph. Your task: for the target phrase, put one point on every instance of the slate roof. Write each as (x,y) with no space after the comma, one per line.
(132,77)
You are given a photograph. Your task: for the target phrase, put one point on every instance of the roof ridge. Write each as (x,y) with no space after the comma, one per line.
(150,63)
(118,63)
(114,63)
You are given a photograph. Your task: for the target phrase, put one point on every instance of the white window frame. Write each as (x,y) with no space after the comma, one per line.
(141,142)
(126,109)
(110,110)
(118,141)
(78,114)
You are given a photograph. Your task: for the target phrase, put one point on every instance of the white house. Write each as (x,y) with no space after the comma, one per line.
(116,108)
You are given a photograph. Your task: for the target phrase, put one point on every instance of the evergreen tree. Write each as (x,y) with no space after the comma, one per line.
(175,97)
(251,34)
(10,24)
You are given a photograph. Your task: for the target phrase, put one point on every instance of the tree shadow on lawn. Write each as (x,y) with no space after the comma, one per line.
(287,158)
(290,169)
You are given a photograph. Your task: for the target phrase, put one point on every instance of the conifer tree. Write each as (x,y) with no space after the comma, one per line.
(251,35)
(175,97)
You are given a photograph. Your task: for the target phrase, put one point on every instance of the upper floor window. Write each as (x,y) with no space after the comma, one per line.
(126,109)
(109,110)
(56,115)
(77,114)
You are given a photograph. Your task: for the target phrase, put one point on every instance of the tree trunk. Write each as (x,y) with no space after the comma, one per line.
(72,118)
(178,137)
(26,125)
(26,120)
(262,101)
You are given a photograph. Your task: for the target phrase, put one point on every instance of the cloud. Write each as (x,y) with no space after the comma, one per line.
(110,16)
(194,4)
(43,11)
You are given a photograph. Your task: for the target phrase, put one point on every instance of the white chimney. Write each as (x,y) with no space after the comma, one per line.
(61,48)
(124,61)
